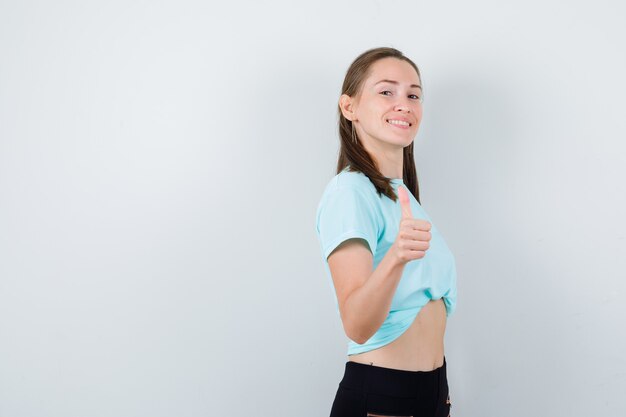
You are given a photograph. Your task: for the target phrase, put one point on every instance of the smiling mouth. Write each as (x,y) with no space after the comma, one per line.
(399,123)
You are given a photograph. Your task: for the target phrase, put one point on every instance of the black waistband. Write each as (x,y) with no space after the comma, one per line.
(394,382)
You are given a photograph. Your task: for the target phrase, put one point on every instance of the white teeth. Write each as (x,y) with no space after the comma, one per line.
(398,122)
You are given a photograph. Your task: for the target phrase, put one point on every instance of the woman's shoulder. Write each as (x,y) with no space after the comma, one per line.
(351,181)
(349,192)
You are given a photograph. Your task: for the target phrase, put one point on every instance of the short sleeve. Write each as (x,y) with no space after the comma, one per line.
(346,213)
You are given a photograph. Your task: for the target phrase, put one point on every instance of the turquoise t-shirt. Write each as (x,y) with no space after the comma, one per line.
(350,207)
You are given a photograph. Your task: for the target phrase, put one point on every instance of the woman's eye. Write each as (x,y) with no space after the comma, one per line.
(412,95)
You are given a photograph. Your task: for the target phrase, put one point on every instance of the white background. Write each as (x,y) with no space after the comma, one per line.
(160,167)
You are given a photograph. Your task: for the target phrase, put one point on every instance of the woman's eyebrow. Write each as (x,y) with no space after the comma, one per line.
(395,82)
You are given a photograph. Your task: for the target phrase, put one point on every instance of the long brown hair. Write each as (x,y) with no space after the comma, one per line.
(354,154)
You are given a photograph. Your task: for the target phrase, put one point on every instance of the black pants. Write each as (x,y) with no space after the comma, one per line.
(369,390)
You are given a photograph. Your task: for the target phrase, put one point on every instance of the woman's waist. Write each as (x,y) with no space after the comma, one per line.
(420,347)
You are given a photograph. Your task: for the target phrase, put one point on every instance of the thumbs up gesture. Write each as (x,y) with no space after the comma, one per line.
(413,235)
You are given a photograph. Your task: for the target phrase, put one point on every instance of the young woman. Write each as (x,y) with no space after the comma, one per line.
(394,277)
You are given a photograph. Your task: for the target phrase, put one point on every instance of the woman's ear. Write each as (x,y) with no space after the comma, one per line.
(346,104)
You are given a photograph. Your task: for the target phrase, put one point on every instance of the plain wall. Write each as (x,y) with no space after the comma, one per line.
(160,168)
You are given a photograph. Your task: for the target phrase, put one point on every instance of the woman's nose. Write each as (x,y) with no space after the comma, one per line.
(402,106)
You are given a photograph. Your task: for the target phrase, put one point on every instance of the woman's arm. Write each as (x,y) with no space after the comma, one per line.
(364,296)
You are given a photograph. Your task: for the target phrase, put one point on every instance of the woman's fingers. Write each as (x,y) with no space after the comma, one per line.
(405,203)
(413,234)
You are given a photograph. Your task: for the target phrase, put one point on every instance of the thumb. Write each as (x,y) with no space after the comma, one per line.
(405,203)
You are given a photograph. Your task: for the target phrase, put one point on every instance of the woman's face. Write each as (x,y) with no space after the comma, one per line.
(390,95)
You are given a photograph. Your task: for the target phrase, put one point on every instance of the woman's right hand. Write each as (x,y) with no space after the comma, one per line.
(413,234)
